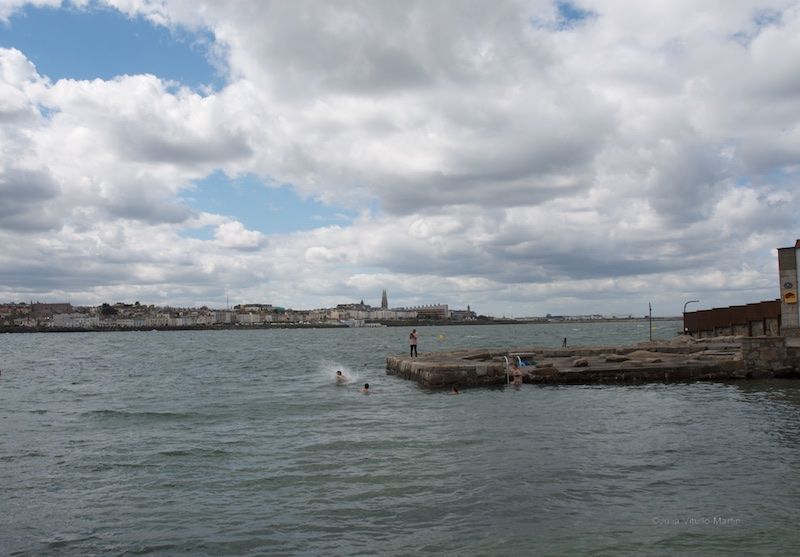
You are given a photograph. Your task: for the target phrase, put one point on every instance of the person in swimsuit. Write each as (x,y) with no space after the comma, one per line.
(516,375)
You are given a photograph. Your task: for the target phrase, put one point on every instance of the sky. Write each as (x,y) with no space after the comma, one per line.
(522,158)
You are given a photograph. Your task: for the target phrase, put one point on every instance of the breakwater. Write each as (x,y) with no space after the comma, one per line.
(681,359)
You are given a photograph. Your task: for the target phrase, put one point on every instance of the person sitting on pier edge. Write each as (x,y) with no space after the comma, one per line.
(412,342)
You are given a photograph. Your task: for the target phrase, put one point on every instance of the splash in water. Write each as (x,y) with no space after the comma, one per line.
(339,374)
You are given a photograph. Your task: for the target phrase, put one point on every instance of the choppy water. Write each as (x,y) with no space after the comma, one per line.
(240,443)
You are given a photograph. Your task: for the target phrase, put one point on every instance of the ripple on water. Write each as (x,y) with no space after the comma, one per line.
(240,443)
(142,416)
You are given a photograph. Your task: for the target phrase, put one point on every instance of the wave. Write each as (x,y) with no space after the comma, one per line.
(196,451)
(139,415)
(13,457)
(106,466)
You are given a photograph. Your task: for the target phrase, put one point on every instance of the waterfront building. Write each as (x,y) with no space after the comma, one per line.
(224,317)
(249,318)
(41,311)
(777,317)
(74,321)
(434,311)
(462,315)
(157,320)
(787,275)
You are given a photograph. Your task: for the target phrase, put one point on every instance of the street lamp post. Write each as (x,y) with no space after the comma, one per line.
(684,312)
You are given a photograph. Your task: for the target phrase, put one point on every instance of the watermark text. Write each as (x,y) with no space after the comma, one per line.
(689,521)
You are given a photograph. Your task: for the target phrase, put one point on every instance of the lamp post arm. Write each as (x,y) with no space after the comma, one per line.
(684,312)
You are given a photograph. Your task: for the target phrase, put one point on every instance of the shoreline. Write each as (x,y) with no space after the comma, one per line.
(13,329)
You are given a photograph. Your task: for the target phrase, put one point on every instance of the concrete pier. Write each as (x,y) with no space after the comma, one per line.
(684,359)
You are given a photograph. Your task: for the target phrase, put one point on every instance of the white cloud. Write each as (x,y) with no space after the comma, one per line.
(510,161)
(8,7)
(235,235)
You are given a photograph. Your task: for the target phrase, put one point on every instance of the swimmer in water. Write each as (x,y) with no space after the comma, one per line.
(454,390)
(365,390)
(341,379)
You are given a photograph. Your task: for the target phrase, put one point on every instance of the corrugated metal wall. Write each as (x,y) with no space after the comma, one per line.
(762,318)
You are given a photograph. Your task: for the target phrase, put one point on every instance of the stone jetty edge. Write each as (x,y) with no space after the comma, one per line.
(681,360)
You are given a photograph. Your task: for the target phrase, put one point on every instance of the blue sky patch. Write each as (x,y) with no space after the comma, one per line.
(761,20)
(205,233)
(569,15)
(260,207)
(103,43)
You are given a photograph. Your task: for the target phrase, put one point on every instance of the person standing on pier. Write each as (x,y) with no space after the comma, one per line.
(412,342)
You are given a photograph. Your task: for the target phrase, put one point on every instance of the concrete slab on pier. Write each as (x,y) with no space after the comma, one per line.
(683,359)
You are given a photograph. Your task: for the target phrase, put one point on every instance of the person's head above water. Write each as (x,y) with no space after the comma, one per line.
(366,385)
(338,372)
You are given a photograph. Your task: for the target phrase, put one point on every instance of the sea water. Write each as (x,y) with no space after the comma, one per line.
(241,443)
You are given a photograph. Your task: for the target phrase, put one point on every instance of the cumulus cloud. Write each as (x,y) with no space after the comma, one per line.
(8,7)
(235,235)
(526,156)
(25,196)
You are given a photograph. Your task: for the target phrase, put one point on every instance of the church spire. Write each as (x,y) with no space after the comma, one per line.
(384,300)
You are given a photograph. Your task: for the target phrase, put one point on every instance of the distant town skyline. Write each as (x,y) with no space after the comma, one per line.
(61,317)
(523,158)
(361,304)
